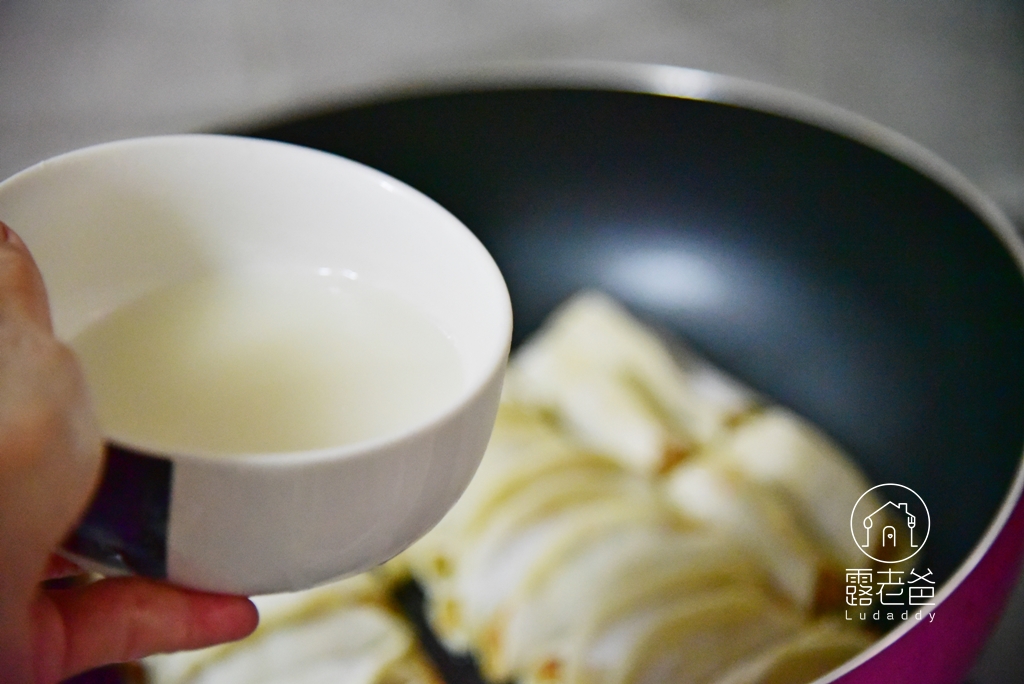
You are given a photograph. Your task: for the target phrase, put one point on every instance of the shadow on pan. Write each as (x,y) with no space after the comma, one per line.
(826,274)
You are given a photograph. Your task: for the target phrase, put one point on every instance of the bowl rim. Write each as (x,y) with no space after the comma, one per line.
(493,361)
(696,84)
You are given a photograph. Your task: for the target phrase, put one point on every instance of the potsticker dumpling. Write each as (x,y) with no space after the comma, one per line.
(758,520)
(344,633)
(616,386)
(779,450)
(688,637)
(807,655)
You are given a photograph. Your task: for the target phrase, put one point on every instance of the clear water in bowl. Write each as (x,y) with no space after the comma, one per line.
(236,364)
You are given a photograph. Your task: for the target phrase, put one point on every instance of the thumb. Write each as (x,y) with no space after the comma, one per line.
(22,294)
(50,446)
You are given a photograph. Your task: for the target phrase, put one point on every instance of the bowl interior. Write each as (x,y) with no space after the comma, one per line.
(826,274)
(114,222)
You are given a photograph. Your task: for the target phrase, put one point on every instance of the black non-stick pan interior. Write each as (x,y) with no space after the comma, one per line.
(825,274)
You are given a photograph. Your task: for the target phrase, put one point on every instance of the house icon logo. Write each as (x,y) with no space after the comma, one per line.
(890,523)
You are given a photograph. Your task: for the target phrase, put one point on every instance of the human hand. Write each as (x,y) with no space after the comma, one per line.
(50,462)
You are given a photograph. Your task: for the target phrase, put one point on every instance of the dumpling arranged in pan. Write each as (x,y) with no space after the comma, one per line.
(640,517)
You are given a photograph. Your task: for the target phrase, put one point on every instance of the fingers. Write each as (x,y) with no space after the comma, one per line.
(118,620)
(21,285)
(58,567)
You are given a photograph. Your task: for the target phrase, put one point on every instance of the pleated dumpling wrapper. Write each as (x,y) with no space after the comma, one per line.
(619,389)
(810,653)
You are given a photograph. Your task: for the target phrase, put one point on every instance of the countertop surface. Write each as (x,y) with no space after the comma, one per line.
(949,75)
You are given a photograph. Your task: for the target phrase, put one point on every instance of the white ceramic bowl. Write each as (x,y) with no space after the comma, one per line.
(109,224)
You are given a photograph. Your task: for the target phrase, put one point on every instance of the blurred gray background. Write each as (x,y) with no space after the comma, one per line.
(949,75)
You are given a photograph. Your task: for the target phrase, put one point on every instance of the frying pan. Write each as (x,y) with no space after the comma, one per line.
(829,263)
